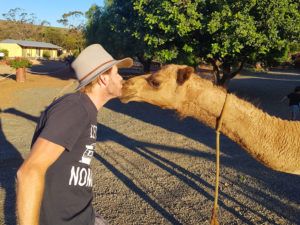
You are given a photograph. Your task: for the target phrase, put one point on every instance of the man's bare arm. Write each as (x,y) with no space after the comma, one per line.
(31,180)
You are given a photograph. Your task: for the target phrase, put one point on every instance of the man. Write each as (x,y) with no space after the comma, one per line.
(294,100)
(54,184)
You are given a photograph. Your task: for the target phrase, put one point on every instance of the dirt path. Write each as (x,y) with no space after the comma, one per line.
(150,167)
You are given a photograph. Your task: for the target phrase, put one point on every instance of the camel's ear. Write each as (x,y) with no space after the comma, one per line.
(184,74)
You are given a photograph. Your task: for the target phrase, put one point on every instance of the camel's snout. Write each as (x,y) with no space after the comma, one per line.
(127,92)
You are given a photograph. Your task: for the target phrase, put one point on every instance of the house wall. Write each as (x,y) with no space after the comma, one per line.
(14,50)
(38,52)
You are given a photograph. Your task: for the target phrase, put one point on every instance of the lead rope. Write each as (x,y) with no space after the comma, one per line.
(214,214)
(64,88)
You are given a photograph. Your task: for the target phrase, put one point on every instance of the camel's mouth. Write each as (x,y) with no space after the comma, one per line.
(127,97)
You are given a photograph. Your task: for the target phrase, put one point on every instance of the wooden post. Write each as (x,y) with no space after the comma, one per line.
(21,74)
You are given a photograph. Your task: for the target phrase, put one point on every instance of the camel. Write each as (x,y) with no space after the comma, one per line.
(270,140)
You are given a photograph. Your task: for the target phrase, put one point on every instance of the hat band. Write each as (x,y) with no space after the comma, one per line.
(85,76)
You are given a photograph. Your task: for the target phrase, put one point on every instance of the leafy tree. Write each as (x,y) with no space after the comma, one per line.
(45,23)
(54,36)
(25,21)
(223,32)
(72,20)
(112,26)
(19,15)
(74,39)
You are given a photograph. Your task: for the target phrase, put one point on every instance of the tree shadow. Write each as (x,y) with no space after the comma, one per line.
(7,76)
(197,183)
(10,161)
(137,190)
(274,74)
(52,68)
(236,157)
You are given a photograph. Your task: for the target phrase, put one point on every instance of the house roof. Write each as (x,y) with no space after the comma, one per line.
(35,44)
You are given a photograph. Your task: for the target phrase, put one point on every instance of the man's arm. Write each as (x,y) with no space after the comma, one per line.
(31,180)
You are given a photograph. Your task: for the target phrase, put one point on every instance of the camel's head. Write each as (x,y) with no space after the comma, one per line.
(164,88)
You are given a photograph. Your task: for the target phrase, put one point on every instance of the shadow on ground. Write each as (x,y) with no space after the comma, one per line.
(52,68)
(10,161)
(234,158)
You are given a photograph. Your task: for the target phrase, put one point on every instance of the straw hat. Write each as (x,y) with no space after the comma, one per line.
(93,61)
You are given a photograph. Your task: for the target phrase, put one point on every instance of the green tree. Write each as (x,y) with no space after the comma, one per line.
(225,33)
(72,20)
(23,20)
(74,39)
(112,27)
(19,15)
(53,35)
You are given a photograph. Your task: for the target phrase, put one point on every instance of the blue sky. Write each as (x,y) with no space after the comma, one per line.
(50,10)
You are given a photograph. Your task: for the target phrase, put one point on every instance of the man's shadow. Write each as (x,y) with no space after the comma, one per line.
(10,161)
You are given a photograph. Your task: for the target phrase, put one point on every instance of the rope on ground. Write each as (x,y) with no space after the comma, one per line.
(3,78)
(214,215)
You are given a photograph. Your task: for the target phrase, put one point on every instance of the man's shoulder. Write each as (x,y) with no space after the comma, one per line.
(68,99)
(71,97)
(68,104)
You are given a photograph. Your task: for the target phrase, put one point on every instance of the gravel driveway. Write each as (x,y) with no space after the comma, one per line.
(152,168)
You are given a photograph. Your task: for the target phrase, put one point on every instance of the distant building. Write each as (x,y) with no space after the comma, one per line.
(29,49)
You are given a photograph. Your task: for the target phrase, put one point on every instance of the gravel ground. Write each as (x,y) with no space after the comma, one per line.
(152,168)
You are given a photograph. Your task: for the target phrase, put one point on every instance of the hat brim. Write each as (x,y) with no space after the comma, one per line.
(123,63)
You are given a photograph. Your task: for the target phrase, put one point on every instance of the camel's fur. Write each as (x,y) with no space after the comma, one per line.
(270,140)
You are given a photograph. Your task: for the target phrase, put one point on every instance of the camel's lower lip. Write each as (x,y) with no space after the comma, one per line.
(126,98)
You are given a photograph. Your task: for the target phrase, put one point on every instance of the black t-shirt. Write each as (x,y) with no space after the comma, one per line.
(70,121)
(294,98)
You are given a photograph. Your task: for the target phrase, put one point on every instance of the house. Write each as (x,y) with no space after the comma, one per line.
(29,49)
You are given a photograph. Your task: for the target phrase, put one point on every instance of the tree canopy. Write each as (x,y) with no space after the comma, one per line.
(226,33)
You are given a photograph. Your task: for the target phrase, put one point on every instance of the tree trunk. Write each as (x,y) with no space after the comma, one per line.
(216,71)
(228,74)
(146,63)
(21,74)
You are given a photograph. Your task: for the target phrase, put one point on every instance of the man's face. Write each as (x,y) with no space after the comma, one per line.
(115,82)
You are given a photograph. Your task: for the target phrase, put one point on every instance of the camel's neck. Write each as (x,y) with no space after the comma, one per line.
(270,140)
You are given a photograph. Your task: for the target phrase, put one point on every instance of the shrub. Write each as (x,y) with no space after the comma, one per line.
(5,51)
(19,63)
(46,54)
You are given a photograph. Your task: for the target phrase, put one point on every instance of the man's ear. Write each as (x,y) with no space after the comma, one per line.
(102,79)
(184,74)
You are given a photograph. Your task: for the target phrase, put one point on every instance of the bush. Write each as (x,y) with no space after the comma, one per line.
(5,51)
(46,54)
(19,63)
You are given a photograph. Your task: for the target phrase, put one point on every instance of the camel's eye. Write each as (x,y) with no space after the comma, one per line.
(154,83)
